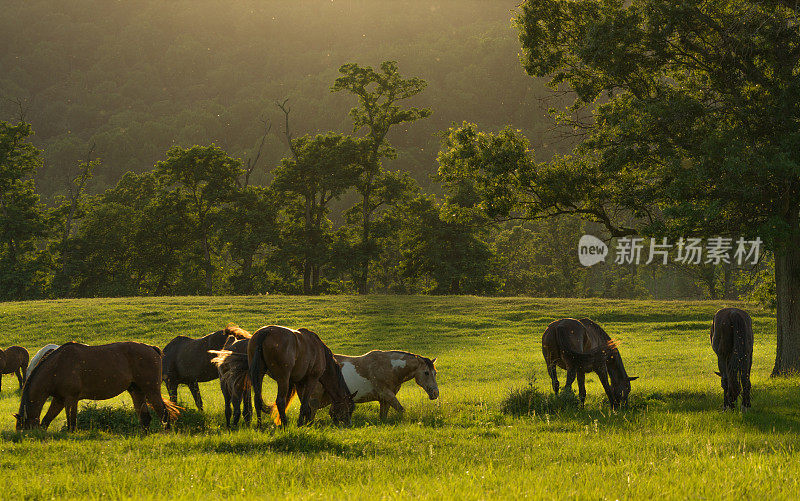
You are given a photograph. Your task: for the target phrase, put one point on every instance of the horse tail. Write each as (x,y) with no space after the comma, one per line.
(273,409)
(171,410)
(234,370)
(257,368)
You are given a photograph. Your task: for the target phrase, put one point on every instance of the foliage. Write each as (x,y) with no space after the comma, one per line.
(23,220)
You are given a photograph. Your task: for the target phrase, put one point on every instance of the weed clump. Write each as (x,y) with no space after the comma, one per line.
(123,420)
(533,401)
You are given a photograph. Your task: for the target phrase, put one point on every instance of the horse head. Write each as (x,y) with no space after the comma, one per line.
(425,377)
(620,381)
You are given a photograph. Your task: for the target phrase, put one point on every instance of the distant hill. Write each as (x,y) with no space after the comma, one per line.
(136,77)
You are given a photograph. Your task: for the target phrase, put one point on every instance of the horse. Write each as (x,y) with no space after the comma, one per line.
(297,360)
(582,346)
(76,371)
(187,361)
(233,380)
(36,358)
(732,341)
(14,360)
(378,376)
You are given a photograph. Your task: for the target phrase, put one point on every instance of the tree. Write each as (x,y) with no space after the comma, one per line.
(22,216)
(694,111)
(246,226)
(379,93)
(206,177)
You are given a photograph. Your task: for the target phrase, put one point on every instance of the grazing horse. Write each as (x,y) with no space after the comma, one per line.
(234,381)
(14,360)
(76,371)
(582,346)
(732,341)
(378,376)
(297,361)
(187,361)
(38,357)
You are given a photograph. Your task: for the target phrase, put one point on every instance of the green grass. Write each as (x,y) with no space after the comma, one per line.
(495,432)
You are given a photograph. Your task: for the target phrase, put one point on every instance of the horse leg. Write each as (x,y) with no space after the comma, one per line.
(603,376)
(20,377)
(582,387)
(571,373)
(195,389)
(247,412)
(236,400)
(55,407)
(384,410)
(172,390)
(391,399)
(551,369)
(140,406)
(153,396)
(281,399)
(745,378)
(226,394)
(71,408)
(307,411)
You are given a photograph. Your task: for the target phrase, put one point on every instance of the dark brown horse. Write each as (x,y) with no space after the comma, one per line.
(732,341)
(297,360)
(187,361)
(14,360)
(76,371)
(582,346)
(234,380)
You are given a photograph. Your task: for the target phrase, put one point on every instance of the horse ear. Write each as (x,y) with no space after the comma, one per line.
(718,374)
(434,360)
(633,378)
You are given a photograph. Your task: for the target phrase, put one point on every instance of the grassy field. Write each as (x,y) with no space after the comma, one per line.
(673,442)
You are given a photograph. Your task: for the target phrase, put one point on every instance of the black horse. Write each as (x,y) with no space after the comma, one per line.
(582,346)
(732,341)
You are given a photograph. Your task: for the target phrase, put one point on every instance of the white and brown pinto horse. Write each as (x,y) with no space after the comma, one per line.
(378,375)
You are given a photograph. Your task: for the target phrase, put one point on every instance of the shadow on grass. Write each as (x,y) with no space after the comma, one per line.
(291,441)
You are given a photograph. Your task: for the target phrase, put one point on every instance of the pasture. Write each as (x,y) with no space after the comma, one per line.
(494,432)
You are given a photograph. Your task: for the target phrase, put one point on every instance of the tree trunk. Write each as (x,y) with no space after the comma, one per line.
(363,286)
(209,267)
(787,290)
(315,273)
(307,266)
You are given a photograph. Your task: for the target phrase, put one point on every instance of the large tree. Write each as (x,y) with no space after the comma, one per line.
(320,170)
(380,93)
(206,177)
(685,116)
(22,216)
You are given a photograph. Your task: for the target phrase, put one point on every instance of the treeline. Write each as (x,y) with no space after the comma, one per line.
(196,224)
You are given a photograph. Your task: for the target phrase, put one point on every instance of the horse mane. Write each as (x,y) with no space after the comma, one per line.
(427,360)
(26,386)
(234,330)
(330,360)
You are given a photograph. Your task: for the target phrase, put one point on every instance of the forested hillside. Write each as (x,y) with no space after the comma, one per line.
(139,76)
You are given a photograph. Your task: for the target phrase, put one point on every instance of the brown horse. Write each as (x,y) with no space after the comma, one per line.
(297,360)
(14,360)
(378,375)
(582,346)
(732,341)
(76,371)
(187,361)
(233,380)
